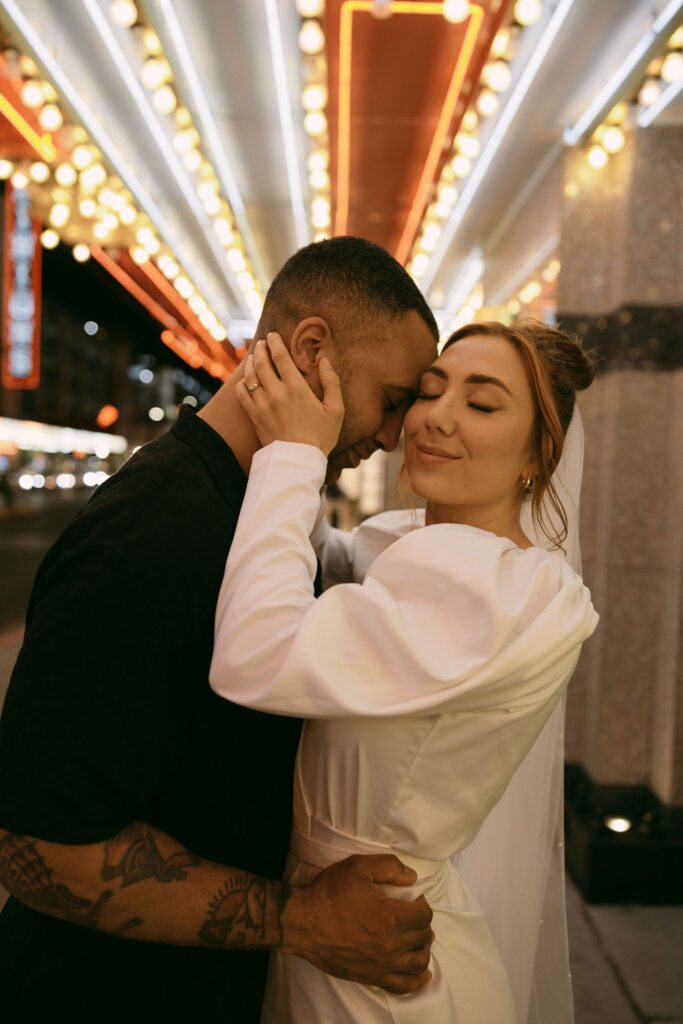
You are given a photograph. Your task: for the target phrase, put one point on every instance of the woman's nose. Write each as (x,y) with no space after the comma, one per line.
(442,415)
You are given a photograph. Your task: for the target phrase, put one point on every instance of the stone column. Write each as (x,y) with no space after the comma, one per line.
(621,289)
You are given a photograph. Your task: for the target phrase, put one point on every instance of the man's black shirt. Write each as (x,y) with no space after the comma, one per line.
(109,719)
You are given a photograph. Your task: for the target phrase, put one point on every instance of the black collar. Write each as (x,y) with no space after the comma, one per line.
(215,453)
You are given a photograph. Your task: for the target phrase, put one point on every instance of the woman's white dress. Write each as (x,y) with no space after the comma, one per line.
(423,689)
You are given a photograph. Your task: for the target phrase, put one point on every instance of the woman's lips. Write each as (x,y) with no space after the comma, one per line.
(434,456)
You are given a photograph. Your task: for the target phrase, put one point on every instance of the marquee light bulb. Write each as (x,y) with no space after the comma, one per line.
(236,260)
(184,287)
(168,267)
(81,253)
(49,239)
(88,207)
(32,94)
(468,145)
(672,68)
(500,43)
(100,231)
(65,175)
(192,160)
(154,73)
(39,172)
(314,97)
(59,214)
(207,189)
(151,42)
(183,118)
(81,157)
(617,113)
(164,100)
(315,124)
(318,160)
(469,121)
(649,92)
(19,179)
(456,10)
(497,75)
(6,168)
(93,176)
(311,38)
(50,118)
(310,8)
(212,205)
(487,103)
(613,140)
(123,13)
(139,255)
(597,157)
(527,12)
(319,180)
(461,165)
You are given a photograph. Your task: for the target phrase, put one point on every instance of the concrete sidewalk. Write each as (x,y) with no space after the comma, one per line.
(627,961)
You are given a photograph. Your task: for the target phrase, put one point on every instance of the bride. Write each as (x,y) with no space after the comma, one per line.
(434,688)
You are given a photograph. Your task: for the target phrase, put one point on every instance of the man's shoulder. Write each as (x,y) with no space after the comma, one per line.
(164,512)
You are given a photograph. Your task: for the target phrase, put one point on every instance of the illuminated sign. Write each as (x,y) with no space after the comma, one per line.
(21,293)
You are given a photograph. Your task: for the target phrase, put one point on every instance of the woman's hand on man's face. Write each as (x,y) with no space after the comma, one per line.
(281,405)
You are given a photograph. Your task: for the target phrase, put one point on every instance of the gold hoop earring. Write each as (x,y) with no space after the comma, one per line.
(528,483)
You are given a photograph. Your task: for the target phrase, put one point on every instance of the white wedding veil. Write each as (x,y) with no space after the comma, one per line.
(515,865)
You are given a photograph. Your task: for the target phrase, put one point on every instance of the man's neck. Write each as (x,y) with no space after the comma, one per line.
(224,413)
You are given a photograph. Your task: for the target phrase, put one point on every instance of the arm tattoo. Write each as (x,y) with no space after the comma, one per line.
(133,856)
(28,878)
(246,912)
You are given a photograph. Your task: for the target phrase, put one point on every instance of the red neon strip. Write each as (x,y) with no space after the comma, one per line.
(220,353)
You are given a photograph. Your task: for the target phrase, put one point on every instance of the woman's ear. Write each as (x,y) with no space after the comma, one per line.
(310,339)
(531,468)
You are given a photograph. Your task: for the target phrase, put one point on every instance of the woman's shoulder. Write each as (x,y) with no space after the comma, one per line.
(445,552)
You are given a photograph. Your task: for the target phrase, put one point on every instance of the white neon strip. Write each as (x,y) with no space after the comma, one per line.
(465,283)
(30,436)
(104,143)
(524,195)
(213,139)
(164,144)
(649,114)
(286,125)
(497,135)
(608,95)
(530,267)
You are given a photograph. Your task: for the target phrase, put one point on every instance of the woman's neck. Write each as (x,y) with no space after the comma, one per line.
(501,520)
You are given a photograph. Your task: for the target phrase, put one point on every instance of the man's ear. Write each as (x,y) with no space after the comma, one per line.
(311,338)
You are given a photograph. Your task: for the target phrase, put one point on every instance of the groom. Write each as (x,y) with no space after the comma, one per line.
(144,821)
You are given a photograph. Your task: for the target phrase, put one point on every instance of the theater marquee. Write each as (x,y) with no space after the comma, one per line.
(21,293)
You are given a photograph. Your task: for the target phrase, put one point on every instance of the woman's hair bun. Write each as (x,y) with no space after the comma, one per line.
(577,363)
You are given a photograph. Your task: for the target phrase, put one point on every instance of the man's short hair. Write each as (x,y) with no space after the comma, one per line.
(347,281)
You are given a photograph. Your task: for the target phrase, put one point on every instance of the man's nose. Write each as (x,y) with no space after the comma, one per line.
(388,434)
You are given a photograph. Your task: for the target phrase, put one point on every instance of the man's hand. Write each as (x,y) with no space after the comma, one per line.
(282,406)
(346,925)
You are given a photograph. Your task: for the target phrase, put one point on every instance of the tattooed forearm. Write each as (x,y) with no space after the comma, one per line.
(134,856)
(246,912)
(28,878)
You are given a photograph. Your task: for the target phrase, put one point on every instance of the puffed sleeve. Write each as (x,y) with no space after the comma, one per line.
(346,555)
(449,618)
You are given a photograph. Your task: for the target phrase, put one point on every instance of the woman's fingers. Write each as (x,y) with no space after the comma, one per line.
(251,378)
(286,367)
(265,368)
(331,385)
